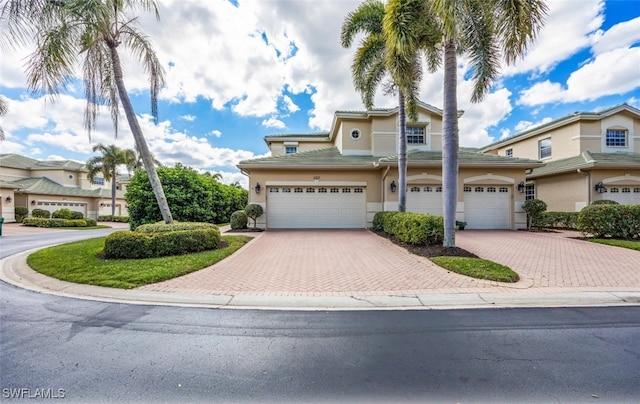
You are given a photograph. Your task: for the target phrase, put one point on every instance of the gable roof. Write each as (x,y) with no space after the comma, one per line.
(45,186)
(26,163)
(466,158)
(587,161)
(565,120)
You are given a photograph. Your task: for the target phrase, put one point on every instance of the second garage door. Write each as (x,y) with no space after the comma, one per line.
(323,207)
(487,207)
(425,199)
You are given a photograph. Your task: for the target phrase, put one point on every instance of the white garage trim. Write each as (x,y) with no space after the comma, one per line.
(487,206)
(316,207)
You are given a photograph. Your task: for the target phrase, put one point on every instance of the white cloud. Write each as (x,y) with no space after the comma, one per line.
(216,133)
(621,35)
(189,118)
(273,123)
(289,105)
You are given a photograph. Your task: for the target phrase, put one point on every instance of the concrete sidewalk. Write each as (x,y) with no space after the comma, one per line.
(347,270)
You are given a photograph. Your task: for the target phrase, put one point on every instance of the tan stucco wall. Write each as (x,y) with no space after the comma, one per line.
(12,174)
(564,193)
(350,146)
(277,147)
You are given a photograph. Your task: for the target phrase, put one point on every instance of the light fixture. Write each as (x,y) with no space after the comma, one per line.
(257,188)
(9,199)
(521,187)
(102,204)
(393,186)
(600,187)
(33,202)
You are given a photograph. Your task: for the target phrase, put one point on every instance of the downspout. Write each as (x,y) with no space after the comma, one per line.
(383,188)
(588,175)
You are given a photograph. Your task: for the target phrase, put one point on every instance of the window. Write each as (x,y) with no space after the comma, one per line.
(428,189)
(286,190)
(479,189)
(415,135)
(355,134)
(467,189)
(334,190)
(544,147)
(504,190)
(311,190)
(509,153)
(614,190)
(636,190)
(358,190)
(274,190)
(290,149)
(530,192)
(346,190)
(626,190)
(322,190)
(415,189)
(98,181)
(616,138)
(297,190)
(438,189)
(491,189)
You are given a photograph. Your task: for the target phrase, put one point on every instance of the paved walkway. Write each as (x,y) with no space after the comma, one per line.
(358,269)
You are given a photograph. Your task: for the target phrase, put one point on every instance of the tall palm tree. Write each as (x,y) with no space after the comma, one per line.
(3,111)
(371,65)
(107,164)
(92,30)
(488,32)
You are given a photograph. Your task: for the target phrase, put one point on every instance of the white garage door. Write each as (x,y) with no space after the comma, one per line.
(487,207)
(74,207)
(623,195)
(425,199)
(323,207)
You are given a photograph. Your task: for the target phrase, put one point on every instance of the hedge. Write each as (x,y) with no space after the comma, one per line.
(48,223)
(616,221)
(41,213)
(126,244)
(567,220)
(411,228)
(20,213)
(161,227)
(111,218)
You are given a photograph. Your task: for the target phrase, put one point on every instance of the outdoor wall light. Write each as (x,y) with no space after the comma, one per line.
(9,199)
(257,188)
(102,205)
(393,186)
(33,202)
(521,187)
(600,187)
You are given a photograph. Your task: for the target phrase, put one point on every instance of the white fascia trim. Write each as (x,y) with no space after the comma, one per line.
(315,183)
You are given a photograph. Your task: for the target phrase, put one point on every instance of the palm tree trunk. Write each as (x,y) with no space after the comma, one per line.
(113,192)
(141,143)
(402,154)
(450,144)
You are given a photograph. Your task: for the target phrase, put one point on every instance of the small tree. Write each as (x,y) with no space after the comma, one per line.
(534,209)
(254,211)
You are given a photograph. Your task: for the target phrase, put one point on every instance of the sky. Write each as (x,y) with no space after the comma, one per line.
(238,70)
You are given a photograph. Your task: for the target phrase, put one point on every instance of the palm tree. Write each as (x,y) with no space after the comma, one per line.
(371,64)
(67,30)
(3,111)
(107,165)
(488,31)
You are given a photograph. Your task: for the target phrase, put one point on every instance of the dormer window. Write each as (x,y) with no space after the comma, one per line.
(616,138)
(415,135)
(290,149)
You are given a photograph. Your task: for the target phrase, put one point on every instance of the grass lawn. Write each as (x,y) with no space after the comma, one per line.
(477,268)
(630,244)
(78,262)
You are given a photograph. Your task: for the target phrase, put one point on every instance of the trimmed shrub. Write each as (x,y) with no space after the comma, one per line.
(41,213)
(91,222)
(77,215)
(254,211)
(41,222)
(162,227)
(411,228)
(534,209)
(111,218)
(63,213)
(126,244)
(239,220)
(605,202)
(20,213)
(567,220)
(610,220)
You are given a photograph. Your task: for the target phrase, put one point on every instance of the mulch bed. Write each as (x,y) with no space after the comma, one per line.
(429,251)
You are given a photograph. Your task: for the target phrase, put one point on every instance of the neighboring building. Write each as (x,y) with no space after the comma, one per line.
(589,156)
(342,178)
(52,185)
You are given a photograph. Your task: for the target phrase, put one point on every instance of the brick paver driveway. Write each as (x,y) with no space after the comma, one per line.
(358,262)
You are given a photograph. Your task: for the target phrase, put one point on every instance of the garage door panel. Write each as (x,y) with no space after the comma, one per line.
(425,199)
(316,207)
(487,207)
(625,195)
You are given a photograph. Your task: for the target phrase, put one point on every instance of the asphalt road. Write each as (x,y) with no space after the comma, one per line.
(85,351)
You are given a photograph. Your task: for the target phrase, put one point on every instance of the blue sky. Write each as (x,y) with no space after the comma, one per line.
(239,70)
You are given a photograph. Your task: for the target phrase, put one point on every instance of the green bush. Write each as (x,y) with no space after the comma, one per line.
(239,220)
(254,211)
(162,227)
(41,213)
(126,244)
(111,218)
(77,215)
(91,222)
(534,209)
(63,213)
(411,228)
(40,222)
(567,220)
(20,213)
(610,220)
(605,202)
